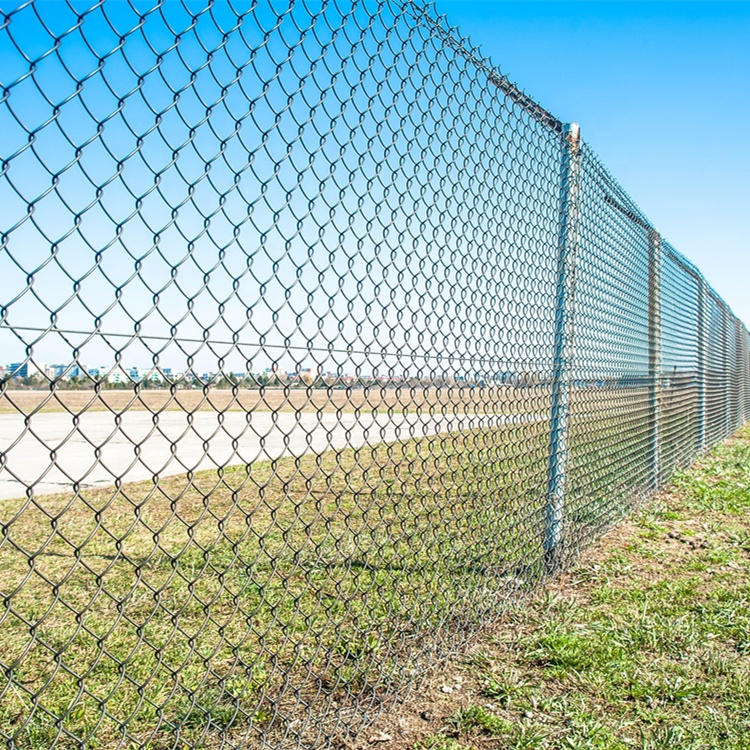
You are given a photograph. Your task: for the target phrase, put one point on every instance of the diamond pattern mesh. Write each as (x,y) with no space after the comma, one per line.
(324,342)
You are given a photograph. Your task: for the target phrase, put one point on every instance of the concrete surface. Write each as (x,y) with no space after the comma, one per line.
(57,450)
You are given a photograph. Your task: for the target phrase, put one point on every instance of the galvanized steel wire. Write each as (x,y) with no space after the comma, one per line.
(324,342)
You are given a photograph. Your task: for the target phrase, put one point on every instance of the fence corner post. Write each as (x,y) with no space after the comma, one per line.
(654,352)
(570,200)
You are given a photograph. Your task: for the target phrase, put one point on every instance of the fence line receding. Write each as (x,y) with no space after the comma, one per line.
(322,342)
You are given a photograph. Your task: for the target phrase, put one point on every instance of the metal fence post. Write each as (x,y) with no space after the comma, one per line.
(725,364)
(570,199)
(739,372)
(702,362)
(654,351)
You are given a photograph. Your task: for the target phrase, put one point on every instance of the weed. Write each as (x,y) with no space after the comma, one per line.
(477,717)
(440,742)
(507,689)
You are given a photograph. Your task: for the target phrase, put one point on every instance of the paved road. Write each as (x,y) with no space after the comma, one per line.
(54,452)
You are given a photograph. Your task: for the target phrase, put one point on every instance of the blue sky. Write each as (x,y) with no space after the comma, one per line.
(662,93)
(180,207)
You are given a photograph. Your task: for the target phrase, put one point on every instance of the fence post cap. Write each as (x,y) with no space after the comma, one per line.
(572,133)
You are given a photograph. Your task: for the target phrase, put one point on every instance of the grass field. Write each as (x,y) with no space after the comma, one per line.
(644,645)
(220,606)
(462,399)
(283,598)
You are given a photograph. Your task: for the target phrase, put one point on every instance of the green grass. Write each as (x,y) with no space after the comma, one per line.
(248,603)
(646,645)
(220,605)
(440,742)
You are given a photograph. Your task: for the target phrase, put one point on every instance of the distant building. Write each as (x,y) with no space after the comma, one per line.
(25,369)
(18,369)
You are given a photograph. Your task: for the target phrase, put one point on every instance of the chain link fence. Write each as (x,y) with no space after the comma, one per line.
(323,342)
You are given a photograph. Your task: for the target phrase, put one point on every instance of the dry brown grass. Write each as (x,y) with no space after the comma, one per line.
(505,399)
(272,399)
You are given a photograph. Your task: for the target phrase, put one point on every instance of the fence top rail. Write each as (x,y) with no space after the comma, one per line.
(615,196)
(691,270)
(494,76)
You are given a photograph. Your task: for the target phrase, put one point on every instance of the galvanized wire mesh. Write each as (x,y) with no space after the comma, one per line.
(323,342)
